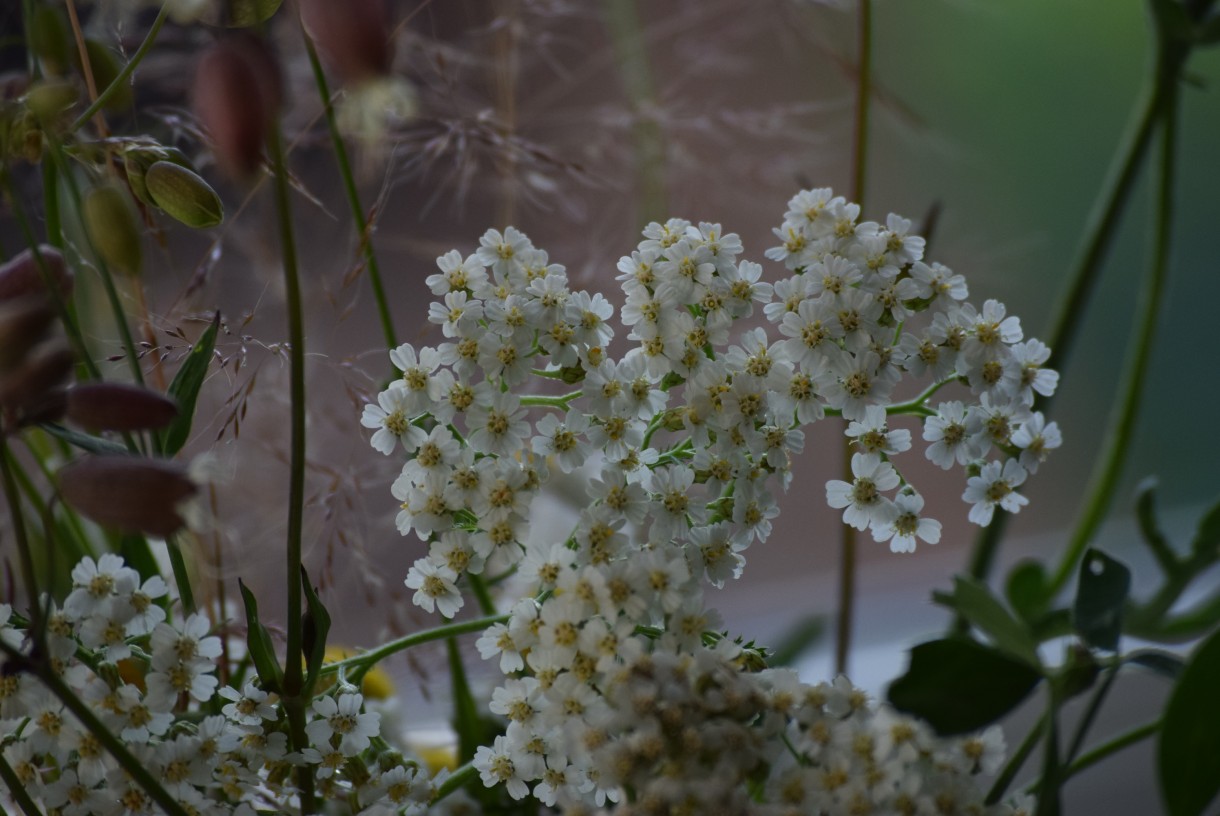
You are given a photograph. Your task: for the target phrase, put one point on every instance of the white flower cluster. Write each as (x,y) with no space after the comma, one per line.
(215,749)
(682,489)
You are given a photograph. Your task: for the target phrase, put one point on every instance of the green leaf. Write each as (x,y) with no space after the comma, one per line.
(314,630)
(1172,21)
(1208,32)
(249,13)
(86,442)
(960,685)
(1166,664)
(1027,590)
(1188,749)
(185,388)
(1145,514)
(1206,543)
(260,645)
(974,601)
(1102,591)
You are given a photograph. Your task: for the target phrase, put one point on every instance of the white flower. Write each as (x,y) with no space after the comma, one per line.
(499,763)
(344,718)
(1036,439)
(906,525)
(956,435)
(499,428)
(391,417)
(96,582)
(874,436)
(457,274)
(436,587)
(995,485)
(862,498)
(563,439)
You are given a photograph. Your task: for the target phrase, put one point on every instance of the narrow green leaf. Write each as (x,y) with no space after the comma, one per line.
(314,631)
(1172,21)
(960,685)
(465,710)
(1145,514)
(260,645)
(86,442)
(974,601)
(185,388)
(1102,591)
(1206,543)
(1166,664)
(1188,749)
(1027,590)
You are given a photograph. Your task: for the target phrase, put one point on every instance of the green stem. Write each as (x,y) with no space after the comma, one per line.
(624,24)
(847,561)
(125,74)
(294,679)
(479,587)
(1086,722)
(1014,765)
(21,537)
(353,196)
(918,404)
(560,402)
(864,46)
(457,780)
(112,294)
(181,576)
(1112,747)
(372,657)
(17,790)
(1122,423)
(1053,777)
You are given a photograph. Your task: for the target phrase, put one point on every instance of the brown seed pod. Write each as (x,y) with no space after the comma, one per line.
(354,36)
(236,98)
(128,493)
(23,324)
(21,274)
(107,406)
(32,392)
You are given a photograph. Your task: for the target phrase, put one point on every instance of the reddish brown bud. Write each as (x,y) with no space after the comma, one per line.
(237,96)
(128,493)
(33,391)
(354,36)
(103,406)
(23,324)
(21,275)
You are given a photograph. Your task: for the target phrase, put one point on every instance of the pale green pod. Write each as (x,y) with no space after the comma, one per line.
(183,195)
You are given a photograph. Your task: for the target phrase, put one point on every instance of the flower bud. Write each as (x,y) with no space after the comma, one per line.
(22,274)
(183,195)
(108,406)
(23,324)
(128,493)
(237,96)
(353,36)
(112,227)
(33,390)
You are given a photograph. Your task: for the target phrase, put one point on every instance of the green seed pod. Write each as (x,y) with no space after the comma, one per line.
(50,99)
(112,228)
(184,195)
(50,41)
(138,158)
(109,406)
(128,493)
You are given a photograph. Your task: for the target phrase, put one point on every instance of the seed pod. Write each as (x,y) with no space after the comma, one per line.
(112,228)
(128,493)
(103,406)
(237,96)
(22,274)
(137,160)
(33,391)
(353,36)
(49,99)
(23,324)
(184,195)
